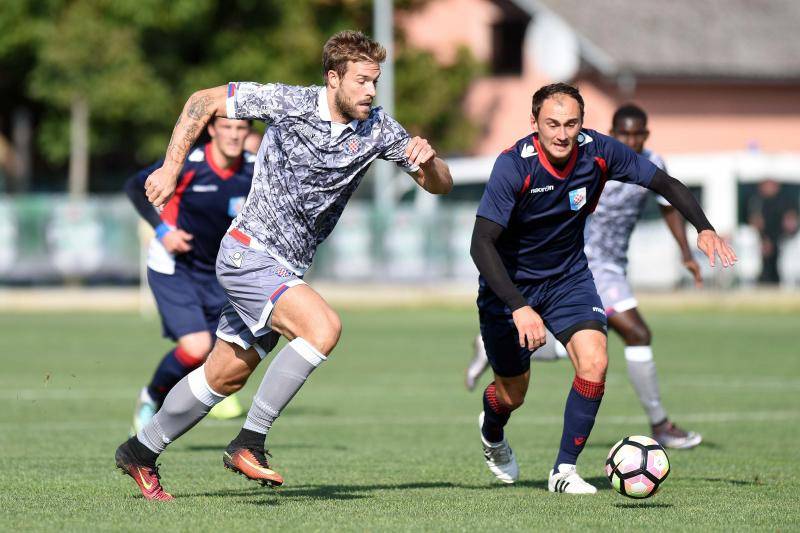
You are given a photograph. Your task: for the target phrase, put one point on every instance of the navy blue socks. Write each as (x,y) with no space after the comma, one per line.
(495,416)
(583,402)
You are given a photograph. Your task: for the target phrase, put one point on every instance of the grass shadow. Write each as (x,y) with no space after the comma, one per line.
(270,496)
(742,482)
(643,505)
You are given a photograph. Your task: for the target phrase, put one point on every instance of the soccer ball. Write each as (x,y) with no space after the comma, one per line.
(637,466)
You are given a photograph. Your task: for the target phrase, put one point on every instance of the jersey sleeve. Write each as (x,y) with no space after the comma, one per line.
(500,196)
(657,161)
(134,188)
(624,164)
(396,139)
(249,100)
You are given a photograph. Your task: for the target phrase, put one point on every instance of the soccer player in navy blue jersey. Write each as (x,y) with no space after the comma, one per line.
(528,245)
(213,184)
(608,233)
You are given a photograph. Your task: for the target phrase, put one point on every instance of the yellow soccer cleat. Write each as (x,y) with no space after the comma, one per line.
(227,409)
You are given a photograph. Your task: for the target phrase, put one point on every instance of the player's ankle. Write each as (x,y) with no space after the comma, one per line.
(142,453)
(249,439)
(661,426)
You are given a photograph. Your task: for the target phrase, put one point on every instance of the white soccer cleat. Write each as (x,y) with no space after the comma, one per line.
(499,457)
(145,408)
(671,436)
(477,365)
(568,481)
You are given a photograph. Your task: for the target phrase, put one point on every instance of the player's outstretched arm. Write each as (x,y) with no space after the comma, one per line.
(196,113)
(433,174)
(483,250)
(677,226)
(677,194)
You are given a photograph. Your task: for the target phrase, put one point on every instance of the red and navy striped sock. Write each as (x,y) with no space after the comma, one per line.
(583,402)
(176,364)
(495,416)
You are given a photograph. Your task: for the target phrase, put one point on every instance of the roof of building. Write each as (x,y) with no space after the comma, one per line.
(744,39)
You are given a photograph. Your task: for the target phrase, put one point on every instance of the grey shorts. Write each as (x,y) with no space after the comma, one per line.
(613,287)
(253,281)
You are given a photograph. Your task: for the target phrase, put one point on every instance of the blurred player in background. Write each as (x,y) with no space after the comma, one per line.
(213,184)
(318,145)
(528,245)
(608,233)
(252,142)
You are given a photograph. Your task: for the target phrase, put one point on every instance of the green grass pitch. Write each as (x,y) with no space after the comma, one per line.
(384,436)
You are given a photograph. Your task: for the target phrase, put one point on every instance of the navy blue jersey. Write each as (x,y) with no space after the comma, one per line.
(543,209)
(206,200)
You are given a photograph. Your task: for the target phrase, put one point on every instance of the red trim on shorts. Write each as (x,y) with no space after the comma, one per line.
(494,403)
(278,293)
(589,389)
(239,236)
(186,359)
(560,174)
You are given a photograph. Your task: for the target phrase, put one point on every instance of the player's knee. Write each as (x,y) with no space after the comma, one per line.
(593,365)
(639,336)
(195,348)
(510,400)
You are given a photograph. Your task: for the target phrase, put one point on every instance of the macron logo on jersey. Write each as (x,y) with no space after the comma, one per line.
(527,151)
(546,188)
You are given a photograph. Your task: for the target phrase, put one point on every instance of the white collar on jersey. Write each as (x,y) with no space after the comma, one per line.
(337,128)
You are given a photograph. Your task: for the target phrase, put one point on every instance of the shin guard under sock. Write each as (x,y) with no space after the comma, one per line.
(583,402)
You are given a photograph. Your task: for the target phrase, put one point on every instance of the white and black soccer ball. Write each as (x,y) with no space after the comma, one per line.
(637,466)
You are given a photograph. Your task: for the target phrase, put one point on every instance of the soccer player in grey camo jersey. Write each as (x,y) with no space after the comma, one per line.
(318,145)
(608,233)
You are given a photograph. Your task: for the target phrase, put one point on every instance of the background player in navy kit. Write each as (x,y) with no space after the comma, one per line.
(608,233)
(528,247)
(213,184)
(318,145)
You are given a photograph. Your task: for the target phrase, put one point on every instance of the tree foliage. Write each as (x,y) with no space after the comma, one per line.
(136,62)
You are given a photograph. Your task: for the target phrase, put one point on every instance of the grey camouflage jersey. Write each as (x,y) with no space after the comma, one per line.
(608,230)
(307,167)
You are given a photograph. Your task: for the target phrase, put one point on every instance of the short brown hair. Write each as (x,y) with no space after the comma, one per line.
(347,46)
(551,90)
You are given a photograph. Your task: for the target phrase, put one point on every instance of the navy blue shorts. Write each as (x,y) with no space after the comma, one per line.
(188,301)
(565,302)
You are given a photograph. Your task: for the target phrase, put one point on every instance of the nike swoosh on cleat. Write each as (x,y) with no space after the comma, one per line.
(267,471)
(147,486)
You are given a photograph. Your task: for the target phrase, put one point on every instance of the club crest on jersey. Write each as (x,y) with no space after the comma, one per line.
(352,146)
(235,205)
(577,198)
